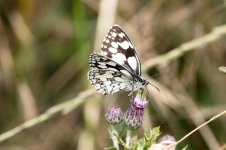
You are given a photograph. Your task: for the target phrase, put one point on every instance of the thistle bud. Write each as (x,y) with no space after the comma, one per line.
(113,115)
(166,142)
(167,139)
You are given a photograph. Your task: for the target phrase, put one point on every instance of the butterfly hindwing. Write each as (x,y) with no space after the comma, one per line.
(118,47)
(109,81)
(107,76)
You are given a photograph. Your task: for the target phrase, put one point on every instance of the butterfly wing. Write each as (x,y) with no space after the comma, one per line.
(107,76)
(118,47)
(108,81)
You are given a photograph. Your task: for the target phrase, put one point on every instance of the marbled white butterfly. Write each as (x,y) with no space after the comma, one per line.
(118,67)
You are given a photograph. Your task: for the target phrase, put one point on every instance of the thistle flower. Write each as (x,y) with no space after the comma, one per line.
(134,115)
(167,139)
(113,115)
(164,143)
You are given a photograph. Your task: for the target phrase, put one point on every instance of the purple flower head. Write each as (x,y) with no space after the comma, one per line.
(133,117)
(138,103)
(166,139)
(166,142)
(113,115)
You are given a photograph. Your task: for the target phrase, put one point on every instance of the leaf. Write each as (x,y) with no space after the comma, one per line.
(152,136)
(141,144)
(156,131)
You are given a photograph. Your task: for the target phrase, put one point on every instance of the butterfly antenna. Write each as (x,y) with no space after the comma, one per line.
(154,86)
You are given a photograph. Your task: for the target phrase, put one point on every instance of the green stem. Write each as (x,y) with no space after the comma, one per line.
(114,136)
(62,108)
(216,34)
(128,137)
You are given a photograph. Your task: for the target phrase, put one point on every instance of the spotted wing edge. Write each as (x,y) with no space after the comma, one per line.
(118,42)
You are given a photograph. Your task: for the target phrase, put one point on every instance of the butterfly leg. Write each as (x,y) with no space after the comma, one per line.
(131,93)
(141,91)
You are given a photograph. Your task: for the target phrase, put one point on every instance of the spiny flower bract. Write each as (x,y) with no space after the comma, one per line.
(113,115)
(133,117)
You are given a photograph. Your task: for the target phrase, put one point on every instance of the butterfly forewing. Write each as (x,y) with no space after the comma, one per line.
(118,47)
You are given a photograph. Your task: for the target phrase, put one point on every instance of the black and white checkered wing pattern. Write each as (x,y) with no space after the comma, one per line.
(107,76)
(118,47)
(117,68)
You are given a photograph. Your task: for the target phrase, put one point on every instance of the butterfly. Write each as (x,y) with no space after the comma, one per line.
(118,67)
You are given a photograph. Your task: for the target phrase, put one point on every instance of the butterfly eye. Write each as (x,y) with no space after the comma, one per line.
(145,82)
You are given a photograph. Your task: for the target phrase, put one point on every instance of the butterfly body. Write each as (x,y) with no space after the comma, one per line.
(118,67)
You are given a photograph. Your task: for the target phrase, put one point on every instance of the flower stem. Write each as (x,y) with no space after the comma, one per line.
(128,137)
(114,135)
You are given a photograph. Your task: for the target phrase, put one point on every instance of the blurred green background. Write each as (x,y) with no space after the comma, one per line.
(44,50)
